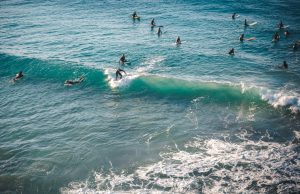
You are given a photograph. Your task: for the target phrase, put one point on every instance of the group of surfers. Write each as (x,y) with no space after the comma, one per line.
(276,38)
(123,60)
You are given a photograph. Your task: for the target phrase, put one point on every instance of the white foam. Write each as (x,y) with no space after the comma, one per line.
(214,166)
(149,64)
(125,81)
(282,98)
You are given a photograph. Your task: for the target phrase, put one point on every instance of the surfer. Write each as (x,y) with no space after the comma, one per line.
(276,36)
(280,25)
(159,32)
(245,23)
(152,22)
(295,46)
(134,15)
(118,73)
(71,82)
(233,16)
(242,38)
(231,52)
(178,41)
(284,65)
(18,76)
(122,60)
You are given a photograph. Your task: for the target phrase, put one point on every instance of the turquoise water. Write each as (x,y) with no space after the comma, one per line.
(186,119)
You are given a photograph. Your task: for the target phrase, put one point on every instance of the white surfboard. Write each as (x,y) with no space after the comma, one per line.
(252,24)
(249,39)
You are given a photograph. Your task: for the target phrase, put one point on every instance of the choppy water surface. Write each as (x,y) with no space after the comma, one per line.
(186,119)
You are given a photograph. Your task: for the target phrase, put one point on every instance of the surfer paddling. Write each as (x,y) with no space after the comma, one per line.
(72,82)
(18,76)
(231,52)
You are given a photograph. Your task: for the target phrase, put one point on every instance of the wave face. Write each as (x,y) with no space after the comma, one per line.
(139,80)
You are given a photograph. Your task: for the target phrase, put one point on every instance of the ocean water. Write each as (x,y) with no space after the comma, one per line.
(186,119)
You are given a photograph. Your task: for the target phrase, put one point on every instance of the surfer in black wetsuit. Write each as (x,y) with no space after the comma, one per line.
(295,46)
(242,38)
(71,82)
(231,52)
(233,16)
(118,73)
(276,36)
(18,76)
(122,60)
(159,32)
(284,65)
(178,41)
(245,23)
(134,15)
(152,23)
(280,25)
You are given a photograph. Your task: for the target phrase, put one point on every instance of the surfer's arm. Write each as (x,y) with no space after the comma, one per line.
(123,71)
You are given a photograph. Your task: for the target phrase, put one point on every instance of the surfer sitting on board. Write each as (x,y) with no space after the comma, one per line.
(231,52)
(18,76)
(280,25)
(233,16)
(276,36)
(152,22)
(178,41)
(284,65)
(134,15)
(245,23)
(122,60)
(71,82)
(242,38)
(295,46)
(159,32)
(118,73)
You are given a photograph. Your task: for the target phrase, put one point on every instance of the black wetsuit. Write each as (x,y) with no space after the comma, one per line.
(152,23)
(118,73)
(233,16)
(123,59)
(242,38)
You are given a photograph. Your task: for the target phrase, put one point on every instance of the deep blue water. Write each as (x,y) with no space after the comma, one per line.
(186,119)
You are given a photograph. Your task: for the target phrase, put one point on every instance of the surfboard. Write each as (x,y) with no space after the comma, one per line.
(252,24)
(249,39)
(284,27)
(157,26)
(136,17)
(236,16)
